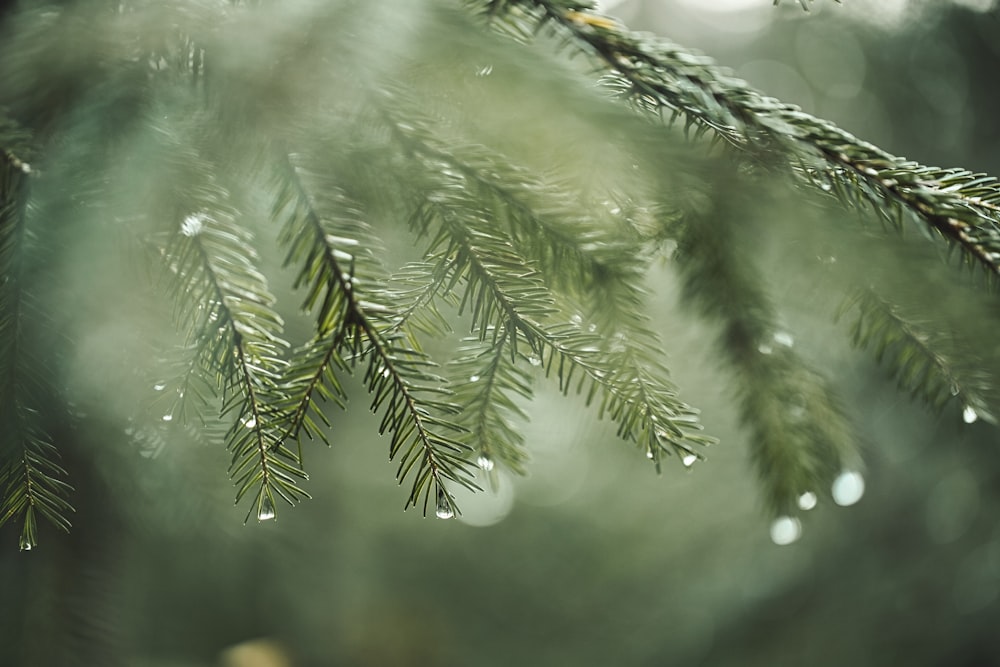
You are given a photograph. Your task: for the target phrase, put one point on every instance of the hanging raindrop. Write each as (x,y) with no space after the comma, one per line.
(168,418)
(192,225)
(785,530)
(807,500)
(969,415)
(534,361)
(444,510)
(266,510)
(25,544)
(650,454)
(485,462)
(848,488)
(783,338)
(474,378)
(250,422)
(689,459)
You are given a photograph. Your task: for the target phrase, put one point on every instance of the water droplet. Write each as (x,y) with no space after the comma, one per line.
(689,459)
(485,70)
(592,328)
(159,386)
(764,348)
(534,361)
(474,378)
(444,509)
(250,422)
(266,510)
(192,225)
(969,415)
(385,372)
(848,488)
(825,187)
(785,530)
(783,338)
(25,544)
(650,454)
(576,319)
(807,500)
(168,418)
(485,462)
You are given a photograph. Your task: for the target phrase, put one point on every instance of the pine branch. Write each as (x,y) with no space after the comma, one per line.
(915,357)
(800,439)
(226,309)
(486,380)
(560,237)
(31,481)
(956,205)
(356,322)
(507,296)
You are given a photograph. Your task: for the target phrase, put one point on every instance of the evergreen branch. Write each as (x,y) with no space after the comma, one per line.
(550,228)
(486,378)
(226,309)
(958,205)
(416,405)
(915,358)
(507,297)
(31,480)
(800,438)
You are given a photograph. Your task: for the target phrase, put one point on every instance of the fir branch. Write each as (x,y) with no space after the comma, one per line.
(226,309)
(916,357)
(355,324)
(575,253)
(956,205)
(486,380)
(800,438)
(507,296)
(31,481)
(560,237)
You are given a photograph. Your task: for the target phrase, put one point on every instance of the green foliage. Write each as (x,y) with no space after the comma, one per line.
(340,145)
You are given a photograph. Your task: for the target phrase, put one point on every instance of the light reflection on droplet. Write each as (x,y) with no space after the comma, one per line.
(649,454)
(159,387)
(485,462)
(688,460)
(534,361)
(969,415)
(444,512)
(192,225)
(250,422)
(785,530)
(807,500)
(848,488)
(783,338)
(266,510)
(764,348)
(168,418)
(474,378)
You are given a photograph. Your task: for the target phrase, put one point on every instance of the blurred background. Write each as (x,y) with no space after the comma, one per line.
(591,559)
